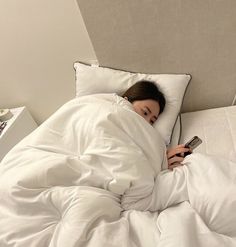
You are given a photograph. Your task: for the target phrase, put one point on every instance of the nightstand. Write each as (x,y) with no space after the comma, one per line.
(19,126)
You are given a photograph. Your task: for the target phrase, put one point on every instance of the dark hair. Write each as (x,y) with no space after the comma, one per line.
(143,90)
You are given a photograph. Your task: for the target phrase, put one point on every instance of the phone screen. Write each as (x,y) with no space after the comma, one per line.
(193,143)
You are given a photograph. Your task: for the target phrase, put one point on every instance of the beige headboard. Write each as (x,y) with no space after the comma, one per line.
(169,36)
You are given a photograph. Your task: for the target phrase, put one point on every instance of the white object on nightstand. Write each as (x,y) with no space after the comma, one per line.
(19,126)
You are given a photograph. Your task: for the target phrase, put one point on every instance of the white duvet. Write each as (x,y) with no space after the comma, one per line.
(91,175)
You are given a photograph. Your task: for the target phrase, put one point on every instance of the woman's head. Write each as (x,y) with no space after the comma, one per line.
(146,99)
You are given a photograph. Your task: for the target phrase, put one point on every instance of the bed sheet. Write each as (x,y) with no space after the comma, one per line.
(216,127)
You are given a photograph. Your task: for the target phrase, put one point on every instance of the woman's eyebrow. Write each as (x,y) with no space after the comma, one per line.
(151,112)
(148,109)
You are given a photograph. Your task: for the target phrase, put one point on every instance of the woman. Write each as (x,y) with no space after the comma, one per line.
(149,102)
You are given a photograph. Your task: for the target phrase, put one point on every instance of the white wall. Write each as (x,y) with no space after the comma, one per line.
(181,36)
(39,42)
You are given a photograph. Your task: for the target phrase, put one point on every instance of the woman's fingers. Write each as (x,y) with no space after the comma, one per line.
(177,150)
(176,155)
(175,159)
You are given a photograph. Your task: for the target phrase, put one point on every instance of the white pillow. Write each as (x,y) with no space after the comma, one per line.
(95,79)
(176,133)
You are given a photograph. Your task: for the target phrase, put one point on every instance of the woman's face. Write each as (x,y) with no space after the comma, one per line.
(149,109)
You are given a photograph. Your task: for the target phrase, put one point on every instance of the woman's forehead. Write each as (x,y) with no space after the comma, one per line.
(151,104)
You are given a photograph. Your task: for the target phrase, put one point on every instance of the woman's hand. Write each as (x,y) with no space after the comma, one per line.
(176,155)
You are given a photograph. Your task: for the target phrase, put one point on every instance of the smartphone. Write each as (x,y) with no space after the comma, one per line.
(192,144)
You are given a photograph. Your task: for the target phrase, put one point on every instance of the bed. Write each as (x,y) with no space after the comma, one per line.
(89,176)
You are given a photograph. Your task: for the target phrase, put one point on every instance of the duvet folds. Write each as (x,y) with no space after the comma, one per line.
(93,175)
